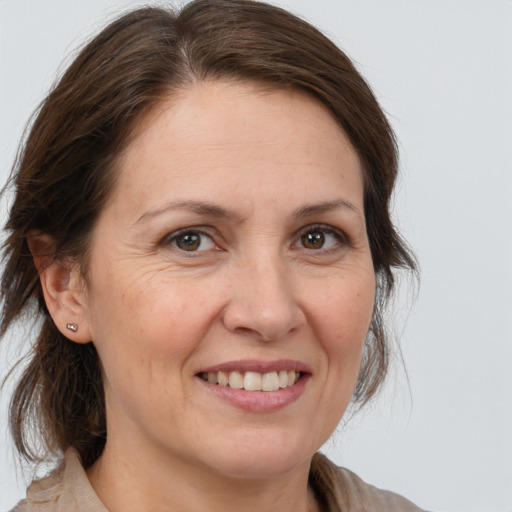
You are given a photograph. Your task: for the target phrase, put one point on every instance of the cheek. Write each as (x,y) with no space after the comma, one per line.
(173,317)
(147,330)
(345,309)
(342,329)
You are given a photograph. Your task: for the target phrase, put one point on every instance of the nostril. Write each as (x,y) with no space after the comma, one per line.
(267,309)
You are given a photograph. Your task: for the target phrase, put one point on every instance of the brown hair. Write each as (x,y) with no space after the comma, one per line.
(65,171)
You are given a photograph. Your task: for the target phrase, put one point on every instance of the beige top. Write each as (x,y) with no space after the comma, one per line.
(67,489)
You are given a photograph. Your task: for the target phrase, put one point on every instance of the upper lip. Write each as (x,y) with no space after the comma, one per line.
(255,365)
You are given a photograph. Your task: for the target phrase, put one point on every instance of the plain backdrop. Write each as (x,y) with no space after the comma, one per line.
(441,434)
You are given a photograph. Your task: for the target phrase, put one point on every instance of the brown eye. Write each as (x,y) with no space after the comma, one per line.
(192,241)
(188,242)
(322,238)
(313,239)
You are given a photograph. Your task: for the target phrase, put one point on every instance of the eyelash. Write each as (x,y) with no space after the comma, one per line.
(172,237)
(339,236)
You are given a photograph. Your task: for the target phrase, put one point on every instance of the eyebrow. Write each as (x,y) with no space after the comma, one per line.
(213,210)
(198,207)
(327,206)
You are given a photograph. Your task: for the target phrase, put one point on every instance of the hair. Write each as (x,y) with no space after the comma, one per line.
(65,171)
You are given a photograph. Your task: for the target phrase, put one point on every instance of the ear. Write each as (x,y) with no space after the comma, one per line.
(63,288)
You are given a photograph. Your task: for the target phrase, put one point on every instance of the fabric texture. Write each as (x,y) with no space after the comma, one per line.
(339,490)
(67,489)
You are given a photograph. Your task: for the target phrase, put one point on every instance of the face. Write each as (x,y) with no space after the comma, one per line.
(231,284)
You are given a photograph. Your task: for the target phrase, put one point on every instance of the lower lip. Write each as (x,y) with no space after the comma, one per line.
(259,401)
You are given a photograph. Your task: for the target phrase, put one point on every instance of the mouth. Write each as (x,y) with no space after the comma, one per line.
(257,386)
(253,381)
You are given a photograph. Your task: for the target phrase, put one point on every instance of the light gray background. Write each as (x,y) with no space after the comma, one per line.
(442,69)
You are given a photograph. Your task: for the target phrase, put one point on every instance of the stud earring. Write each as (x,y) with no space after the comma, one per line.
(72,327)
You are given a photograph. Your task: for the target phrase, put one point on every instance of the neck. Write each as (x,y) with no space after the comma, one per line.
(125,480)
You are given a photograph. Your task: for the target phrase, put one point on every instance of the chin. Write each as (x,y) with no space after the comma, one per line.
(264,457)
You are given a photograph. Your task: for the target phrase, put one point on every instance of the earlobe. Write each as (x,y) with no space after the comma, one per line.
(63,288)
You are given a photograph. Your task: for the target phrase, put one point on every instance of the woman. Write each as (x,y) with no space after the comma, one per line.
(201,222)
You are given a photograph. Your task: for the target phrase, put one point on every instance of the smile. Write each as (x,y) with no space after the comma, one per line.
(253,381)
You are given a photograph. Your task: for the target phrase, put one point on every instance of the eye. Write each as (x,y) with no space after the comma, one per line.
(320,238)
(191,241)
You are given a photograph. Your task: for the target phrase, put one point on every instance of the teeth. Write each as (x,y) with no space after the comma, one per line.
(222,378)
(236,380)
(283,378)
(270,382)
(253,381)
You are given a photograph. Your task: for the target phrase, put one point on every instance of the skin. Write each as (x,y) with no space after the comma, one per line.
(253,289)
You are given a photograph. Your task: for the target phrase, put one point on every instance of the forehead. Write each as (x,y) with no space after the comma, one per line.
(237,135)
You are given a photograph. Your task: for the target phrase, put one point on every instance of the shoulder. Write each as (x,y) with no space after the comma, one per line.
(66,489)
(43,494)
(340,489)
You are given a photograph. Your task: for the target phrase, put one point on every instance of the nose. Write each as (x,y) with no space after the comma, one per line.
(263,303)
